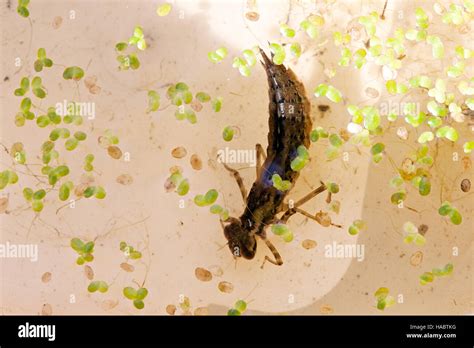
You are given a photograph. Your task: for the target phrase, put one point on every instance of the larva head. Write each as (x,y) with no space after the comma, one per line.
(240,242)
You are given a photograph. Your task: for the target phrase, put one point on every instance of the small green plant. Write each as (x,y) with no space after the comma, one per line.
(384,300)
(228,133)
(329,92)
(164,9)
(246,62)
(153,101)
(73,73)
(279,183)
(412,235)
(356,227)
(216,104)
(239,307)
(429,277)
(98,285)
(311,25)
(84,250)
(65,190)
(181,96)
(341,39)
(218,55)
(109,138)
(283,231)
(278,53)
(43,61)
(25,113)
(56,173)
(138,38)
(129,251)
(131,61)
(35,197)
(178,182)
(302,158)
(335,146)
(136,295)
(454,215)
(287,31)
(222,212)
(88,166)
(38,88)
(18,153)
(51,118)
(95,191)
(22,8)
(468,146)
(377,152)
(207,199)
(318,133)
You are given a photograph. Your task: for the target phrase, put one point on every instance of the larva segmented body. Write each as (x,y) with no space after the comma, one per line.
(289,127)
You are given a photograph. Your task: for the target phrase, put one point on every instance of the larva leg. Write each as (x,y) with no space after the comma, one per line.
(303,200)
(260,157)
(239,180)
(291,211)
(305,213)
(278,260)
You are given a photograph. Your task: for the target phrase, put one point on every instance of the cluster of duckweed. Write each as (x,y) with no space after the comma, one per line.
(187,104)
(177,182)
(137,295)
(54,175)
(429,277)
(8,177)
(450,100)
(63,133)
(446,209)
(208,199)
(246,62)
(83,249)
(436,124)
(218,55)
(384,300)
(413,234)
(239,308)
(186,308)
(289,48)
(129,251)
(130,60)
(85,255)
